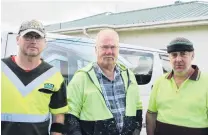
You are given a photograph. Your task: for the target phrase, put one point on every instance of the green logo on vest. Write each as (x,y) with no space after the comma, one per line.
(48,86)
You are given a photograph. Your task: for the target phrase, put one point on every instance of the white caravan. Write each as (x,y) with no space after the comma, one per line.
(72,53)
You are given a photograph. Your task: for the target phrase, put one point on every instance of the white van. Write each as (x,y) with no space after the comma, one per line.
(72,53)
(148,65)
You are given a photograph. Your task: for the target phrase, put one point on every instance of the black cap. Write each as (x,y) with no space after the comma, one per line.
(180,44)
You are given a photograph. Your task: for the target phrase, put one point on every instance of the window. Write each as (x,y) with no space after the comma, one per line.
(70,58)
(141,63)
(165,63)
(78,61)
(55,63)
(62,66)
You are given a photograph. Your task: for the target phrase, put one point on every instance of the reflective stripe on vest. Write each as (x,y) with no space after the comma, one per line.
(25,90)
(30,118)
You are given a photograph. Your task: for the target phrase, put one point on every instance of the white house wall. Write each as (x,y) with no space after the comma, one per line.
(160,38)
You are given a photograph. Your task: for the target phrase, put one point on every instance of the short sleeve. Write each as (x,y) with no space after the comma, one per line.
(58,103)
(152,108)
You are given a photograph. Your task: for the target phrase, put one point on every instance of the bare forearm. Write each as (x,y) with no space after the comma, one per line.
(57,119)
(150,123)
(55,133)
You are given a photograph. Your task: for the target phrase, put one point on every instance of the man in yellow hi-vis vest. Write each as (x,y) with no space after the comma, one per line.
(103,97)
(31,88)
(179,99)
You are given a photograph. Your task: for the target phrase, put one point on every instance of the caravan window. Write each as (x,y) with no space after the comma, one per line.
(141,63)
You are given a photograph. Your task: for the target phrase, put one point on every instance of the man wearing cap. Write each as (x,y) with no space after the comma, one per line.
(31,88)
(179,100)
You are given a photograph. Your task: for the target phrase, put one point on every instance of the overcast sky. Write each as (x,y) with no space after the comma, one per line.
(13,12)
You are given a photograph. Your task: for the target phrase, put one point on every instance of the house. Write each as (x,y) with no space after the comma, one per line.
(151,27)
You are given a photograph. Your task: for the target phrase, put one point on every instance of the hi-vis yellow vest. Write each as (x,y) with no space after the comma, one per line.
(26,103)
(91,106)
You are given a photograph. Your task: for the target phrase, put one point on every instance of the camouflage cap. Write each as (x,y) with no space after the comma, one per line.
(180,44)
(32,26)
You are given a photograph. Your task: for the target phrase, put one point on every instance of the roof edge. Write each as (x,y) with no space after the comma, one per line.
(149,24)
(79,19)
(156,7)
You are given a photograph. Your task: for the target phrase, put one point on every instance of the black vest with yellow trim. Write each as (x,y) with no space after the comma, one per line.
(26,98)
